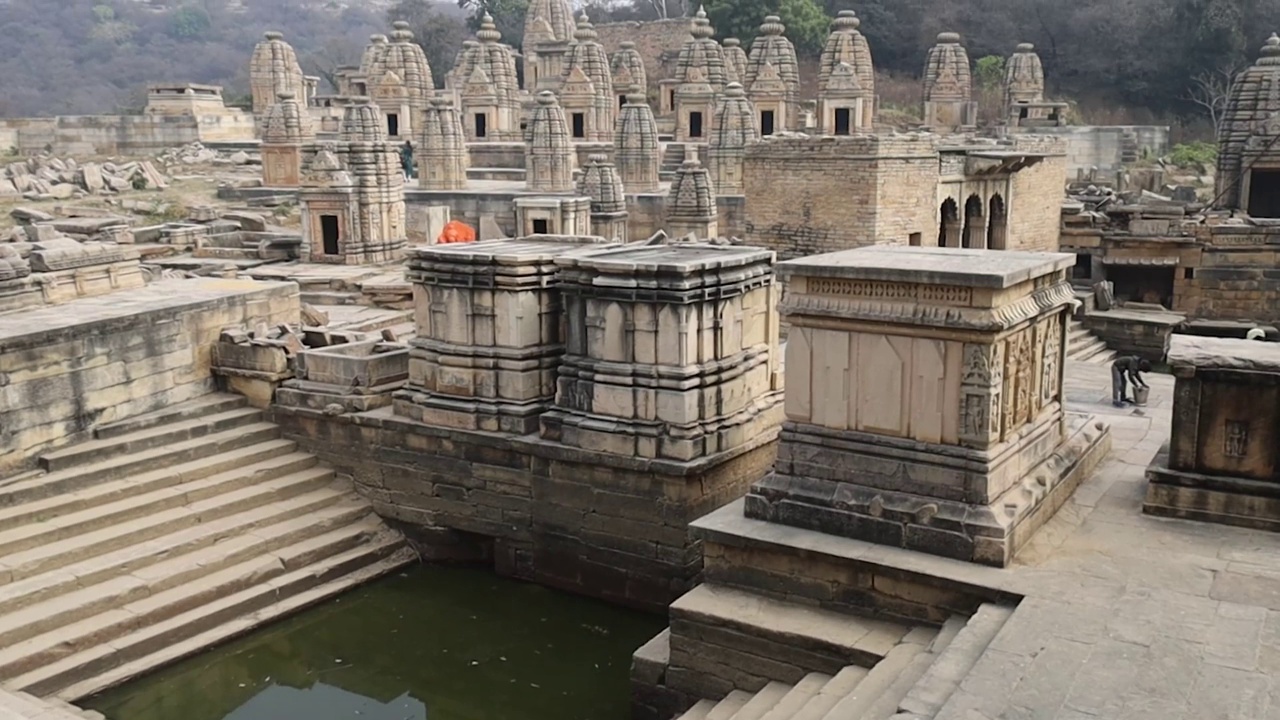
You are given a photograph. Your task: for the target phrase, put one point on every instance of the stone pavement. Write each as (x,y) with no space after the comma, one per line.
(1128,616)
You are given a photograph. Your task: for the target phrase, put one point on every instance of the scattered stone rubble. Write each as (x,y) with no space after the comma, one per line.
(197,154)
(46,177)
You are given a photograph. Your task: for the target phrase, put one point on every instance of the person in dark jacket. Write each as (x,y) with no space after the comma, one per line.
(1127,368)
(406,159)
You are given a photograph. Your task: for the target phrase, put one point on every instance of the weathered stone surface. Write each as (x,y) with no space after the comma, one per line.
(1209,353)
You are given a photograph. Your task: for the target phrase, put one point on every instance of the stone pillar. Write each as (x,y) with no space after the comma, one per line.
(442,152)
(680,371)
(549,155)
(599,181)
(691,202)
(924,407)
(635,144)
(489,336)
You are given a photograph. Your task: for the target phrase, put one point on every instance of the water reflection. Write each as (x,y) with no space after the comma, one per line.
(438,643)
(325,701)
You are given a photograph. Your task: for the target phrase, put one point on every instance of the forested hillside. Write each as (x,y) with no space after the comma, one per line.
(1145,59)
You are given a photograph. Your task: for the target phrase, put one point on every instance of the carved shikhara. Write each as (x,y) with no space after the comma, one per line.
(932,294)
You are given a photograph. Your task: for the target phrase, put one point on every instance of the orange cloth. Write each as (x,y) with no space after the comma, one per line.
(456,232)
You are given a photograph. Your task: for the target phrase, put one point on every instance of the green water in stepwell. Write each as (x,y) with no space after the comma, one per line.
(429,643)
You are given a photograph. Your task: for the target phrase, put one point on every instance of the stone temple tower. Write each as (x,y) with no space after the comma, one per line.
(691,202)
(948,85)
(548,32)
(588,56)
(289,128)
(274,69)
(1248,175)
(600,182)
(1023,77)
(627,68)
(735,59)
(490,92)
(701,61)
(734,129)
(399,80)
(442,151)
(353,195)
(846,105)
(549,154)
(635,144)
(772,48)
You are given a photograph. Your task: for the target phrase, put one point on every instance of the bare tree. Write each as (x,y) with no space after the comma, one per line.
(1210,90)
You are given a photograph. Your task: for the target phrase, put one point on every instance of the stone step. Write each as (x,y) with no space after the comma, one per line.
(729,706)
(735,637)
(227,618)
(200,407)
(45,558)
(63,705)
(24,617)
(156,458)
(762,702)
(278,523)
(699,711)
(26,706)
(71,653)
(953,662)
(877,683)
(837,688)
(129,443)
(250,460)
(797,697)
(149,502)
(329,297)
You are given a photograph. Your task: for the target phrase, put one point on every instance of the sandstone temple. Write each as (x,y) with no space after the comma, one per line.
(830,396)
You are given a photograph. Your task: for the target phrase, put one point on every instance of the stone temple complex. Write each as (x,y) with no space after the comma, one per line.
(664,325)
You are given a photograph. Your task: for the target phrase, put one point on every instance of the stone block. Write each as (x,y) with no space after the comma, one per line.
(1222,463)
(671,351)
(925,400)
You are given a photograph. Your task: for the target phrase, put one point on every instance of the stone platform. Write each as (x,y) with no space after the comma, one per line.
(65,369)
(1119,615)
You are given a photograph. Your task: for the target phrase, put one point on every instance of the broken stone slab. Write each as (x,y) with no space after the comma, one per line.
(41,233)
(313,316)
(7,187)
(27,215)
(62,191)
(90,178)
(87,226)
(250,222)
(1197,352)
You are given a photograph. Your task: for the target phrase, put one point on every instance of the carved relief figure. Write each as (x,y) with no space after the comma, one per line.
(1049,365)
(1236,439)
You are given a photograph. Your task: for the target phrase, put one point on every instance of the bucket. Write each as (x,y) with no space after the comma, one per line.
(1140,395)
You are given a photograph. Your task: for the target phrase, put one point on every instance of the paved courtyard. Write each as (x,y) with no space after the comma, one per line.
(1129,616)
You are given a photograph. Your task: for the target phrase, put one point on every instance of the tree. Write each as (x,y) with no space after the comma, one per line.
(189,22)
(988,72)
(508,17)
(439,35)
(1210,90)
(807,25)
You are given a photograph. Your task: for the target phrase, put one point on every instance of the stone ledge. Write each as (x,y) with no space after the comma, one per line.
(385,418)
(988,533)
(1210,498)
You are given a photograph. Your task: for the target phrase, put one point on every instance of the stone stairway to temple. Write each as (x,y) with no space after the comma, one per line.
(1084,346)
(166,534)
(906,670)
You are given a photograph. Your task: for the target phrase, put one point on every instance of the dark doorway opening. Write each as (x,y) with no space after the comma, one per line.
(540,226)
(695,124)
(1083,269)
(329,234)
(1135,283)
(949,227)
(975,229)
(998,224)
(622,100)
(579,125)
(766,122)
(1264,193)
(393,125)
(482,125)
(842,121)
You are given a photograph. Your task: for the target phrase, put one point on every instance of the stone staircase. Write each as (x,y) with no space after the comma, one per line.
(912,681)
(15,705)
(1084,346)
(166,534)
